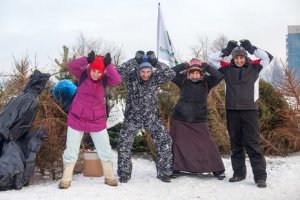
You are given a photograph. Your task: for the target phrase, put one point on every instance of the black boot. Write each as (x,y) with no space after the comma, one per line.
(220,175)
(261,183)
(164,178)
(175,174)
(236,178)
(123,179)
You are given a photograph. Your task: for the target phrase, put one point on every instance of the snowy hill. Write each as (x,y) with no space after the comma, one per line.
(283,183)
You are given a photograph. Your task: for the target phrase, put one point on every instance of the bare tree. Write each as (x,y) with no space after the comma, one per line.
(204,47)
(84,45)
(289,85)
(200,50)
(19,77)
(118,56)
(219,43)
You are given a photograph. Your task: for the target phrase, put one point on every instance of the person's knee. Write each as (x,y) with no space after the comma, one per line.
(70,157)
(106,157)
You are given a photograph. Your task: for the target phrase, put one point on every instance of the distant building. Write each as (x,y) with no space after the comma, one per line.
(293,48)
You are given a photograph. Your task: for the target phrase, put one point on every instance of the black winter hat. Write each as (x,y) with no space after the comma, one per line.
(238,51)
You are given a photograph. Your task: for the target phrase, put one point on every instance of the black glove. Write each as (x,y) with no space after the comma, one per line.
(204,66)
(107,59)
(230,46)
(246,44)
(139,56)
(91,57)
(152,58)
(186,65)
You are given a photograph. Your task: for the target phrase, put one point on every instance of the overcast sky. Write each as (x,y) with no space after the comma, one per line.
(41,28)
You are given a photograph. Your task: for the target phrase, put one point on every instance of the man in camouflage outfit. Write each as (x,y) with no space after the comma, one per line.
(143,76)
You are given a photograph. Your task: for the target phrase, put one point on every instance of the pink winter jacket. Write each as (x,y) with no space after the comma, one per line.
(87,112)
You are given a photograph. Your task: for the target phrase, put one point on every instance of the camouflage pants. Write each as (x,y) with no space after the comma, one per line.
(163,144)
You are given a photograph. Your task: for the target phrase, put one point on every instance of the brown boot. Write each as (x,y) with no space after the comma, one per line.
(236,178)
(109,174)
(67,176)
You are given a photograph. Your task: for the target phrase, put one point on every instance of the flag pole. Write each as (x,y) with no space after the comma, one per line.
(157,36)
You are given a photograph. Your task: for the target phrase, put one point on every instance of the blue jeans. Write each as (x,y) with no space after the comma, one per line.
(100,139)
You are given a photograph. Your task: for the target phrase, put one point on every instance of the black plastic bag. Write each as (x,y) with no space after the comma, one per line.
(18,145)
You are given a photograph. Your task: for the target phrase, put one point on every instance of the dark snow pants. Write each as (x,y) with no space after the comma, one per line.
(162,142)
(243,130)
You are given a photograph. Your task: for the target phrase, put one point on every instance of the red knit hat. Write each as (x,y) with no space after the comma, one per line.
(98,64)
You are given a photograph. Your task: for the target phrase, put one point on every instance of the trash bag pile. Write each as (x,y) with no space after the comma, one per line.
(19,144)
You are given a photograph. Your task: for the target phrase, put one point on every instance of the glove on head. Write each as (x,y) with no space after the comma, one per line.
(230,46)
(107,59)
(139,56)
(152,58)
(91,57)
(248,46)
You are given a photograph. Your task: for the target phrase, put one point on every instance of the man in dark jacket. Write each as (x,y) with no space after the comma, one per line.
(242,92)
(143,75)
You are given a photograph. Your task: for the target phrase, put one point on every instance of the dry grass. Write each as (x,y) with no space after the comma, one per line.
(217,119)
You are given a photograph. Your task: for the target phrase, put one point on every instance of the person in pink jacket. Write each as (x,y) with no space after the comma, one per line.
(87,113)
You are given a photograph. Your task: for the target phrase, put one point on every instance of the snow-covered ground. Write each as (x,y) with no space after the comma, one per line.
(283,183)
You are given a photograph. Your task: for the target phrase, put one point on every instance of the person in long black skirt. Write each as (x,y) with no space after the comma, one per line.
(193,148)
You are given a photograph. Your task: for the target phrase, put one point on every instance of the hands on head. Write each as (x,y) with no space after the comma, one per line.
(150,54)
(91,57)
(245,43)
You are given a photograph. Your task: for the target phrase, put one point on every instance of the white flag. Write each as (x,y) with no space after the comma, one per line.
(165,48)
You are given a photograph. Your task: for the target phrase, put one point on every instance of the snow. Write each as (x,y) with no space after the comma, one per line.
(283,183)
